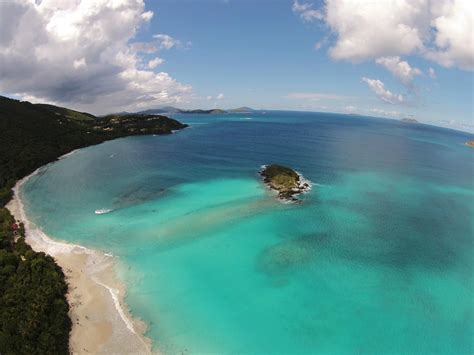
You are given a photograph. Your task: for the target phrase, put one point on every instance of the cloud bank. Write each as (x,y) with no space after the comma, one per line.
(441,31)
(81,54)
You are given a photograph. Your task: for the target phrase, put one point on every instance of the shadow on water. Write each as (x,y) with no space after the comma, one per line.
(401,236)
(137,196)
(402,229)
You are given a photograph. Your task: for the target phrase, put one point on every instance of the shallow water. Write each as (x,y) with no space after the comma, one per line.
(377,258)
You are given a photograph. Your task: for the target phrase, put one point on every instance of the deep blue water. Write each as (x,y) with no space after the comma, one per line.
(377,258)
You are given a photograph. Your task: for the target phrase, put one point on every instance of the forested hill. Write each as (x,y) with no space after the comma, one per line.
(32,135)
(33,305)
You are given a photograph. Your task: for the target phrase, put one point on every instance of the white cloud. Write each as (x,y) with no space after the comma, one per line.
(152,64)
(81,54)
(383,94)
(144,47)
(431,73)
(385,113)
(314,96)
(350,109)
(217,97)
(306,12)
(454,24)
(165,41)
(373,29)
(468,127)
(79,63)
(374,111)
(168,42)
(321,43)
(400,69)
(441,31)
(147,16)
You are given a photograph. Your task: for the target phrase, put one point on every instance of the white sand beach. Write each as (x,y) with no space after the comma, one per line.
(101,321)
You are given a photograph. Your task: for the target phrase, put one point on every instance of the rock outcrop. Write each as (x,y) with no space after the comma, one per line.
(287,182)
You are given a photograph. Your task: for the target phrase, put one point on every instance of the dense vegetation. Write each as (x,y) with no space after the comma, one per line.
(34,135)
(280,177)
(33,307)
(284,180)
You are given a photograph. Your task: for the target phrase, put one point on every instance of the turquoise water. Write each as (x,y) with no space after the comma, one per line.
(377,258)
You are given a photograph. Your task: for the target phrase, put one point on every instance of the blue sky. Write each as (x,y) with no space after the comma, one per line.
(257,53)
(395,59)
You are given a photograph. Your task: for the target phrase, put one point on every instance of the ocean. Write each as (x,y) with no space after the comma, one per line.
(377,258)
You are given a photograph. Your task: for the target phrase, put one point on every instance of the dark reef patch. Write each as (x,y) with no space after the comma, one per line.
(290,254)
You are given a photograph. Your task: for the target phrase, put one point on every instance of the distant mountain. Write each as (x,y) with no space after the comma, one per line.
(409,120)
(122,113)
(172,109)
(243,109)
(205,112)
(159,110)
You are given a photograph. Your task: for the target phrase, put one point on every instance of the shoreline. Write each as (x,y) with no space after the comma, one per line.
(101,321)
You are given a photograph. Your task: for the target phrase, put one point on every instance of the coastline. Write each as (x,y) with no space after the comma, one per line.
(101,322)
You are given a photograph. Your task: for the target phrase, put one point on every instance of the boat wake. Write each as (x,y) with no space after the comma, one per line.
(103,211)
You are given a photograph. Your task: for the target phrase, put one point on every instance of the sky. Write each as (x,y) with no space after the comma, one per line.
(387,58)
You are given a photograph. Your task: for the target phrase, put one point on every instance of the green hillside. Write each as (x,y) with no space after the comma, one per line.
(68,113)
(33,306)
(34,135)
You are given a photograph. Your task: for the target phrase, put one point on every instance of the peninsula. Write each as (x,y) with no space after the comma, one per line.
(39,294)
(287,182)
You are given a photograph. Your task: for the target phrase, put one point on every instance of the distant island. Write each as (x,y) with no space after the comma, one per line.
(409,120)
(160,110)
(243,109)
(206,112)
(285,181)
(172,109)
(470,143)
